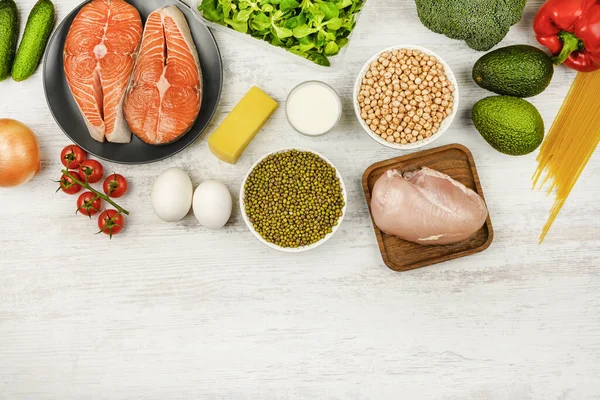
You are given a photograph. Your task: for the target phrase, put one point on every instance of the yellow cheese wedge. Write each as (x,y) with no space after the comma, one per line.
(232,137)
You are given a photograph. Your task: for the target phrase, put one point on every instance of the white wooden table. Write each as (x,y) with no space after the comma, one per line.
(173,311)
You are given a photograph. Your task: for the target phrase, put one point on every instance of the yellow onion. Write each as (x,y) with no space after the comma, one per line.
(19,153)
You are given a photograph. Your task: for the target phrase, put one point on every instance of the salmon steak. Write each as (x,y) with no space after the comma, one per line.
(165,93)
(99,55)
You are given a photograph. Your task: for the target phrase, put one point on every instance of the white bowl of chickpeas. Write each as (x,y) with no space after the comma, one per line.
(405,97)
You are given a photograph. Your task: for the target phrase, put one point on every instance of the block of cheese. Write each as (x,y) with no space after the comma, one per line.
(238,129)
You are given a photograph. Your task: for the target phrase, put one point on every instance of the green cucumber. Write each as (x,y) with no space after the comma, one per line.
(37,31)
(9,32)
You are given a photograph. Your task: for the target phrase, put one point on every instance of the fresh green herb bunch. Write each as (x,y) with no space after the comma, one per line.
(313,29)
(293,198)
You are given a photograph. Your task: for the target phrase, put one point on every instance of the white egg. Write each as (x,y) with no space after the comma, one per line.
(172,195)
(212,204)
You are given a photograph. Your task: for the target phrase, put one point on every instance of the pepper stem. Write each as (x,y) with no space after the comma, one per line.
(571,43)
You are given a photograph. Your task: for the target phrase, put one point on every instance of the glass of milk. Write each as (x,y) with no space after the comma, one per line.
(313,108)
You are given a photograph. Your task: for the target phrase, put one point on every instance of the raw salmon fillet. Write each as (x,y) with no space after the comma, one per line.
(165,93)
(99,56)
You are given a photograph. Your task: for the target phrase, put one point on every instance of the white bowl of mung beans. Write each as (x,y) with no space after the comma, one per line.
(405,97)
(283,214)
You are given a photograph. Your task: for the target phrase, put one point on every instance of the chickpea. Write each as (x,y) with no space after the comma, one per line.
(405,95)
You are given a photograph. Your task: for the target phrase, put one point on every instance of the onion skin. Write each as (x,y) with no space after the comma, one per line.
(19,153)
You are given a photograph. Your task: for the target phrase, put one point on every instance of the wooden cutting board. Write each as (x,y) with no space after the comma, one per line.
(454,160)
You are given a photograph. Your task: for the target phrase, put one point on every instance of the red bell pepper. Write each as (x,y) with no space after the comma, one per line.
(571,30)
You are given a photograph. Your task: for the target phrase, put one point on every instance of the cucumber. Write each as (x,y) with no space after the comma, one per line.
(37,31)
(9,32)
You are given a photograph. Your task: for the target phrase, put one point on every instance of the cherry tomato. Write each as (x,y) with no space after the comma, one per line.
(91,169)
(88,204)
(68,185)
(72,156)
(111,222)
(115,185)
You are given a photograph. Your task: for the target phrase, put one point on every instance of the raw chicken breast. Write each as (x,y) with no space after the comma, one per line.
(426,207)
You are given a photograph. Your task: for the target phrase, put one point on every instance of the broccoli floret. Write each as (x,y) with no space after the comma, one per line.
(480,23)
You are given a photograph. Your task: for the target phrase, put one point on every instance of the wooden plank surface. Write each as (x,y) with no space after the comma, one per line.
(173,311)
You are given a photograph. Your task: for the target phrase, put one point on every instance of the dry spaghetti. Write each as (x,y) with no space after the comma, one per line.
(571,142)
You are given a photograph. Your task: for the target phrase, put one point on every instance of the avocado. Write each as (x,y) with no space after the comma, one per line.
(510,125)
(37,31)
(9,32)
(520,71)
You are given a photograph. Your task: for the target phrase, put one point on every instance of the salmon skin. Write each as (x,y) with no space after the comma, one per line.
(99,56)
(164,97)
